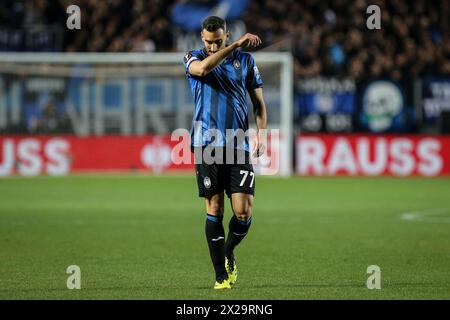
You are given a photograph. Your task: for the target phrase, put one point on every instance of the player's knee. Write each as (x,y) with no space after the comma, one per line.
(244,213)
(243,208)
(215,205)
(215,208)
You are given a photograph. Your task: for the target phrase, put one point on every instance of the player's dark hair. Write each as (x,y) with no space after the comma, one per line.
(213,23)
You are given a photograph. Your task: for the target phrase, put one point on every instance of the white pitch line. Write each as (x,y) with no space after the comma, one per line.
(433,215)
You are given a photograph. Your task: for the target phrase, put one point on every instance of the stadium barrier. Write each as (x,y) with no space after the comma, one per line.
(363,155)
(66,154)
(373,155)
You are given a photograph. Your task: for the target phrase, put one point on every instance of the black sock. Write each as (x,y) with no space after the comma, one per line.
(237,231)
(215,235)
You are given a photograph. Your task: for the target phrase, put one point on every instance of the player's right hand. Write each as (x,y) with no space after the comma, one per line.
(249,40)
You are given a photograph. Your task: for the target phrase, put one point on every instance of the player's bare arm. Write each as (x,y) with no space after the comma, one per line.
(259,109)
(213,42)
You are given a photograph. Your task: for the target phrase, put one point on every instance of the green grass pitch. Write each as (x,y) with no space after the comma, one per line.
(142,237)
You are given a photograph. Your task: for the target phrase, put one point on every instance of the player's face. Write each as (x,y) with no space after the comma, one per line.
(214,41)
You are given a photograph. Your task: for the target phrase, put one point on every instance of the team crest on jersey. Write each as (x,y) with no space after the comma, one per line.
(207,182)
(236,64)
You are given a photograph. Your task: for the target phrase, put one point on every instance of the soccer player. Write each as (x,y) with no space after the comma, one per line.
(220,75)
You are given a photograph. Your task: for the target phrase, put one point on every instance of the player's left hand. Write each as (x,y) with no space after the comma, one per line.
(258,147)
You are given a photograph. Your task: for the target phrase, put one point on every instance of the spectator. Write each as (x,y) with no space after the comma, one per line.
(327,38)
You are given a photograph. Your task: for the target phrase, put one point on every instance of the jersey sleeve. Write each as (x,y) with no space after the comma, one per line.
(253,80)
(189,57)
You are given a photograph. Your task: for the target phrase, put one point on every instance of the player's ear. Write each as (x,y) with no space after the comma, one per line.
(228,35)
(201,35)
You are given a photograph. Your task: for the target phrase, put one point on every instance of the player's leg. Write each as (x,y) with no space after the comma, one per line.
(240,189)
(210,185)
(215,234)
(238,227)
(240,222)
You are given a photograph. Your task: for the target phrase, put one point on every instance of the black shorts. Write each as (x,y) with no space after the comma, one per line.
(234,177)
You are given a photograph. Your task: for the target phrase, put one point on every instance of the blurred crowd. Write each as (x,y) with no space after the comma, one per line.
(107,25)
(331,38)
(118,26)
(326,37)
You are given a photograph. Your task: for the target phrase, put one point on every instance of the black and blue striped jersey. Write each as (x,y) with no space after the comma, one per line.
(220,97)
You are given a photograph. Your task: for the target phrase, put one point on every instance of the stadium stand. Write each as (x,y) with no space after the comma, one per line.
(329,39)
